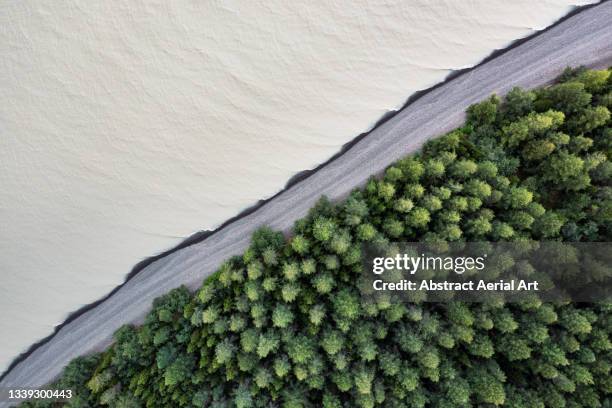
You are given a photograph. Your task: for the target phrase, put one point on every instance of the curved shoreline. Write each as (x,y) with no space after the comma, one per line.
(293,182)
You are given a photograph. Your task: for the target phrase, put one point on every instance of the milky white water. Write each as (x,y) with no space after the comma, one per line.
(125,126)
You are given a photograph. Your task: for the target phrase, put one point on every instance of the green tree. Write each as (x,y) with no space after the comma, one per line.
(282,316)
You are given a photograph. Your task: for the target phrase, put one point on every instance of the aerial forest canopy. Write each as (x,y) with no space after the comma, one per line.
(284,325)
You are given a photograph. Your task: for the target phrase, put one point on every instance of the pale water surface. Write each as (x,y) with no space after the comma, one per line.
(125,126)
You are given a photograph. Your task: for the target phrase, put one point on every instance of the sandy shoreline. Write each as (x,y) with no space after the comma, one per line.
(585,40)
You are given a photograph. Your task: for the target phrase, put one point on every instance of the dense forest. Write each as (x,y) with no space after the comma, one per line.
(284,325)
